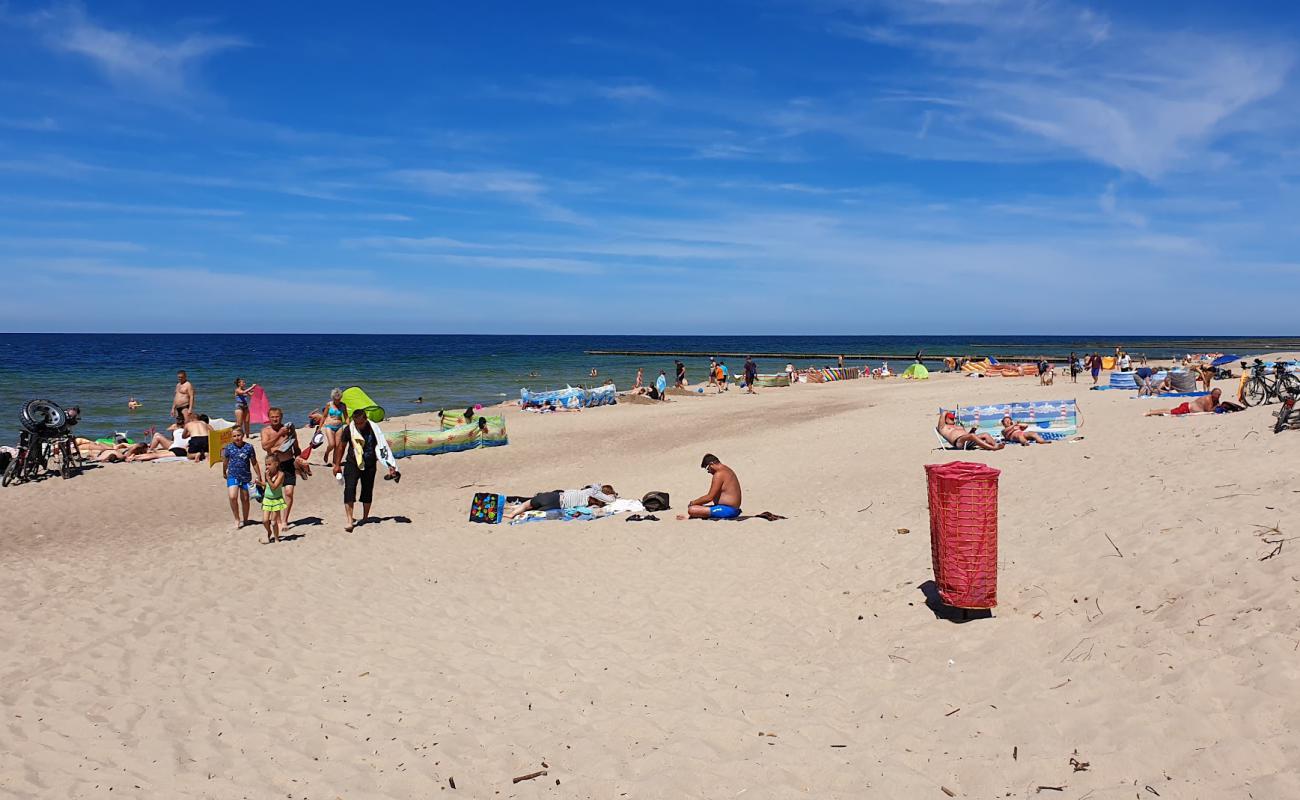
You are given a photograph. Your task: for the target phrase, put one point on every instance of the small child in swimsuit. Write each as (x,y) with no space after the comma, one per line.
(273,504)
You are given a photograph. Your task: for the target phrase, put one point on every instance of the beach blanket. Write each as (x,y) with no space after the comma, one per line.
(408,443)
(579,514)
(1168,394)
(383,448)
(1052,419)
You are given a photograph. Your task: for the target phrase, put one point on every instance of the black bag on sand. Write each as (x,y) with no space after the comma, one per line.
(656,501)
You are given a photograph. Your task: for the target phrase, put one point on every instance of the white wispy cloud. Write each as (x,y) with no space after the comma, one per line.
(1142,100)
(567,91)
(124,280)
(524,188)
(127,209)
(68,243)
(563,266)
(132,61)
(35,124)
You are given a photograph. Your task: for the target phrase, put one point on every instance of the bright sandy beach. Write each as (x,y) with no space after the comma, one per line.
(149,650)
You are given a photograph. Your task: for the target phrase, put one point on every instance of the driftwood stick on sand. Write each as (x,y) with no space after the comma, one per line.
(539,773)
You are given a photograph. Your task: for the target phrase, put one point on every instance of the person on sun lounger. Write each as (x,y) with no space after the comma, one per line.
(963,439)
(1197,405)
(1019,433)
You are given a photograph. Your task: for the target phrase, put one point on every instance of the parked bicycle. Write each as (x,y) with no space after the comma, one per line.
(1262,388)
(45,444)
(1286,415)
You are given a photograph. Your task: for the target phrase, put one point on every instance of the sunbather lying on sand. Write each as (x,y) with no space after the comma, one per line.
(962,439)
(1019,433)
(161,446)
(593,495)
(1197,405)
(106,453)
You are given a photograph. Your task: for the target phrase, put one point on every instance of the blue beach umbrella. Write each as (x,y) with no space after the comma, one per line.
(1224,359)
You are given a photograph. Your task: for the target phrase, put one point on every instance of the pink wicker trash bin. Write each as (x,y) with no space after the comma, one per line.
(964,532)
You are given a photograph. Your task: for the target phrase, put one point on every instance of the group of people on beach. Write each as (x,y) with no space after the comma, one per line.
(718,377)
(721,501)
(351,448)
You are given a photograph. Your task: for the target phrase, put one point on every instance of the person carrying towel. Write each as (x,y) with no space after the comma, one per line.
(357,460)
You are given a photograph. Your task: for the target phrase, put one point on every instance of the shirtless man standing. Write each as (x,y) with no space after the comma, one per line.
(722,501)
(962,439)
(280,442)
(183,400)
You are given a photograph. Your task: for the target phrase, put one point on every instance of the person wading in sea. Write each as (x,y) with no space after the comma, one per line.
(183,399)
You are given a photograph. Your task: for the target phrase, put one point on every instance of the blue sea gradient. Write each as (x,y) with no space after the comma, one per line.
(101,372)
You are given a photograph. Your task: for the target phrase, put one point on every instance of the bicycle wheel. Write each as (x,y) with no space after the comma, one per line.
(11,471)
(1288,383)
(1256,392)
(65,460)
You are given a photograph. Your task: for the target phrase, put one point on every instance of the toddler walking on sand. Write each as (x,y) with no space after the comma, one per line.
(273,504)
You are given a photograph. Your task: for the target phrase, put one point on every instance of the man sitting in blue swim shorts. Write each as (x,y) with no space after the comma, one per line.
(723,498)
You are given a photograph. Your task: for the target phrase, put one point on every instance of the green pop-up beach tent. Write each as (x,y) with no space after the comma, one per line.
(355,399)
(917,372)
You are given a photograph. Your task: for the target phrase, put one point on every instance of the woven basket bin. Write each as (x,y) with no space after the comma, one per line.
(964,532)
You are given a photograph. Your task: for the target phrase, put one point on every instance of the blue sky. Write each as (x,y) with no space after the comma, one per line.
(770,166)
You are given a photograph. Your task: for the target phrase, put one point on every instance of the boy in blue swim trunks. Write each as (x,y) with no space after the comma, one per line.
(238,462)
(723,498)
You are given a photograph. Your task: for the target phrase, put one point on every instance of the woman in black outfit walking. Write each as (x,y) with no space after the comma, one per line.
(357,460)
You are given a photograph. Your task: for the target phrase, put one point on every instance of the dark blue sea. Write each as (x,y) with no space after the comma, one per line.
(101,372)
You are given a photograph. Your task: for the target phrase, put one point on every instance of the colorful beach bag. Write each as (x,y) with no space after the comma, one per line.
(487,507)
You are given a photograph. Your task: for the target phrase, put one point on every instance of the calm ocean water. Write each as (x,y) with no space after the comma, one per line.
(100,372)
